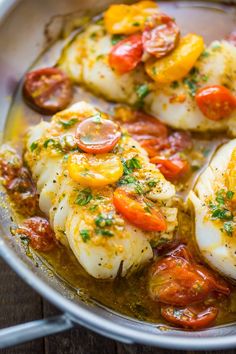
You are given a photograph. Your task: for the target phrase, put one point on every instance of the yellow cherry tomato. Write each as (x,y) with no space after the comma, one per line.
(128,19)
(177,64)
(231,174)
(95,170)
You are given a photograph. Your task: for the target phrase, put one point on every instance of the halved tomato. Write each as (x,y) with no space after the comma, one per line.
(39,233)
(190,317)
(137,212)
(216,102)
(126,54)
(177,280)
(173,169)
(96,135)
(47,90)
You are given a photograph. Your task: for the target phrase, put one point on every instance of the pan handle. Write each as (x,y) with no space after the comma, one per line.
(32,330)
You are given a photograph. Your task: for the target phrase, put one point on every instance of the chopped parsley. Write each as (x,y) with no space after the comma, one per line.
(104,220)
(127,180)
(205,54)
(222,214)
(116,38)
(130,165)
(84,197)
(33,146)
(192,85)
(85,235)
(229,195)
(103,232)
(68,124)
(229,227)
(49,142)
(142,91)
(151,183)
(136,24)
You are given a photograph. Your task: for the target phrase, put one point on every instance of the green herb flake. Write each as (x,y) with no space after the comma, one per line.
(142,91)
(220,197)
(151,184)
(93,207)
(49,142)
(103,220)
(33,146)
(103,232)
(229,195)
(84,197)
(116,38)
(205,78)
(85,235)
(68,124)
(222,214)
(136,24)
(205,54)
(127,180)
(191,85)
(229,228)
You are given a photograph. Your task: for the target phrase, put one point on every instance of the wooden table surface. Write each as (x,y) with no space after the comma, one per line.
(19,303)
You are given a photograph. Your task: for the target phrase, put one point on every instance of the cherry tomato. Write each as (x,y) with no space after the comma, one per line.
(232,38)
(47,90)
(39,233)
(172,169)
(95,170)
(177,280)
(96,135)
(216,102)
(145,126)
(190,317)
(136,211)
(161,36)
(153,146)
(126,54)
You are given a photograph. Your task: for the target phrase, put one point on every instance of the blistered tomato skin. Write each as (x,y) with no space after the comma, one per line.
(177,280)
(96,135)
(215,102)
(190,317)
(173,169)
(47,90)
(160,36)
(134,209)
(39,233)
(126,54)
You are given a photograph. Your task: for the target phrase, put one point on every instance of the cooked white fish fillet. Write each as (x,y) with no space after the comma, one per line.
(102,256)
(86,62)
(214,223)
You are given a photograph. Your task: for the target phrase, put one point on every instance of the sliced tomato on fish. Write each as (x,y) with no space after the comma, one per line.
(137,211)
(126,54)
(97,135)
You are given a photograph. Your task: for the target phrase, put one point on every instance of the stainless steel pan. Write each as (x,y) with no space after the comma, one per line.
(22,38)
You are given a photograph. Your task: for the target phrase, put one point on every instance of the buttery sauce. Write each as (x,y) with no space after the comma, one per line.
(129,296)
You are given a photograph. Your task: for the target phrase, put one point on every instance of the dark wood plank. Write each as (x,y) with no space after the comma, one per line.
(18,304)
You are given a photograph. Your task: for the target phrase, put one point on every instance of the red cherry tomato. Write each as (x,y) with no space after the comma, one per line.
(190,317)
(96,135)
(126,54)
(177,280)
(39,233)
(161,36)
(144,126)
(47,90)
(216,102)
(172,169)
(134,209)
(232,38)
(154,146)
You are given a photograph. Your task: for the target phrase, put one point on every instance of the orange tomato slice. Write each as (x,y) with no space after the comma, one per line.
(137,212)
